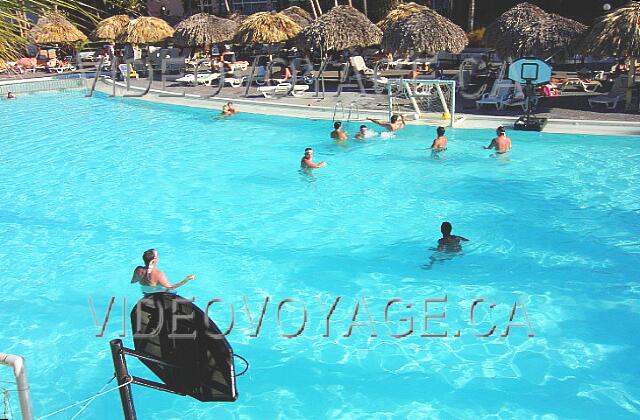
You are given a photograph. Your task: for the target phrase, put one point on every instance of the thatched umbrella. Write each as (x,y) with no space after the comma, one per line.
(204,29)
(146,30)
(401,12)
(111,27)
(424,32)
(617,34)
(527,30)
(341,28)
(266,28)
(298,15)
(53,28)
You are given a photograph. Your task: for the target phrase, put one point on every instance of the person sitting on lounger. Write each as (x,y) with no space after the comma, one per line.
(338,133)
(229,109)
(449,242)
(396,123)
(440,143)
(283,75)
(11,95)
(502,143)
(307,160)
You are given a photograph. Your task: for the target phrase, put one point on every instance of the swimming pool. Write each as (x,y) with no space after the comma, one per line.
(89,184)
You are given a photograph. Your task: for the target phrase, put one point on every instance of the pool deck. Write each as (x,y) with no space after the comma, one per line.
(568,113)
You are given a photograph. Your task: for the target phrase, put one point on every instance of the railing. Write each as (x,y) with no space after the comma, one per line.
(34,85)
(20,372)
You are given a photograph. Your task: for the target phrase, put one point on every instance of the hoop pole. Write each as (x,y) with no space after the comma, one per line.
(122,375)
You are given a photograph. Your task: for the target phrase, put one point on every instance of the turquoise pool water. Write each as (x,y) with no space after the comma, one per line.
(89,184)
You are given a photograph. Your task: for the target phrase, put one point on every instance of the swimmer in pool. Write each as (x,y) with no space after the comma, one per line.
(307,160)
(502,143)
(338,133)
(449,243)
(363,133)
(229,109)
(153,280)
(11,95)
(440,143)
(395,124)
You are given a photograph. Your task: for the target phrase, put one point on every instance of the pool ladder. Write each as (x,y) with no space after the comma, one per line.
(353,108)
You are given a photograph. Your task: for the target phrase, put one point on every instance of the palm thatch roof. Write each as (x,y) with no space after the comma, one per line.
(341,28)
(204,29)
(527,30)
(298,15)
(402,11)
(110,28)
(424,32)
(617,33)
(146,30)
(55,28)
(266,28)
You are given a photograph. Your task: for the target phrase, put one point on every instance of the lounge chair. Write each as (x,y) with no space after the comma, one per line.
(283,89)
(500,92)
(611,99)
(123,71)
(517,98)
(203,78)
(359,66)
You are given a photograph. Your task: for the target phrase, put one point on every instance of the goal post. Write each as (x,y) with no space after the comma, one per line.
(433,101)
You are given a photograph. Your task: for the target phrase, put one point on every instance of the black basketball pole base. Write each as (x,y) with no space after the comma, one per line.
(122,376)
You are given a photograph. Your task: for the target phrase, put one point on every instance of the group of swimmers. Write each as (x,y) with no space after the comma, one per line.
(501,143)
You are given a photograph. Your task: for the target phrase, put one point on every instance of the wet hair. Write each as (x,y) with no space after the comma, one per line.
(308,149)
(363,126)
(501,130)
(446,228)
(440,131)
(394,118)
(148,256)
(337,125)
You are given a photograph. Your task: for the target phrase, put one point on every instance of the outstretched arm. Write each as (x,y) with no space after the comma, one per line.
(165,283)
(462,238)
(380,123)
(492,145)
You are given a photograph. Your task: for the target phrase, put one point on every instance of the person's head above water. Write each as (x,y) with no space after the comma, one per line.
(446,228)
(501,130)
(440,131)
(337,125)
(394,118)
(11,95)
(308,152)
(149,256)
(363,128)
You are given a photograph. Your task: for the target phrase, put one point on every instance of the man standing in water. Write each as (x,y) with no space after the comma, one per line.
(502,143)
(338,133)
(307,160)
(440,143)
(449,242)
(395,124)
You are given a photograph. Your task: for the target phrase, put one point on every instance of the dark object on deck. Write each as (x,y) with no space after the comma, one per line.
(189,340)
(530,123)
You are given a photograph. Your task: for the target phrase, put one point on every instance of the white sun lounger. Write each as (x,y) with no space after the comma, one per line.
(283,89)
(616,95)
(203,78)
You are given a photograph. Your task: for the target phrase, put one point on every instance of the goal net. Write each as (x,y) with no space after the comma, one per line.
(430,100)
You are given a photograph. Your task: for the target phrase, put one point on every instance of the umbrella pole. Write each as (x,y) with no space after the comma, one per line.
(630,83)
